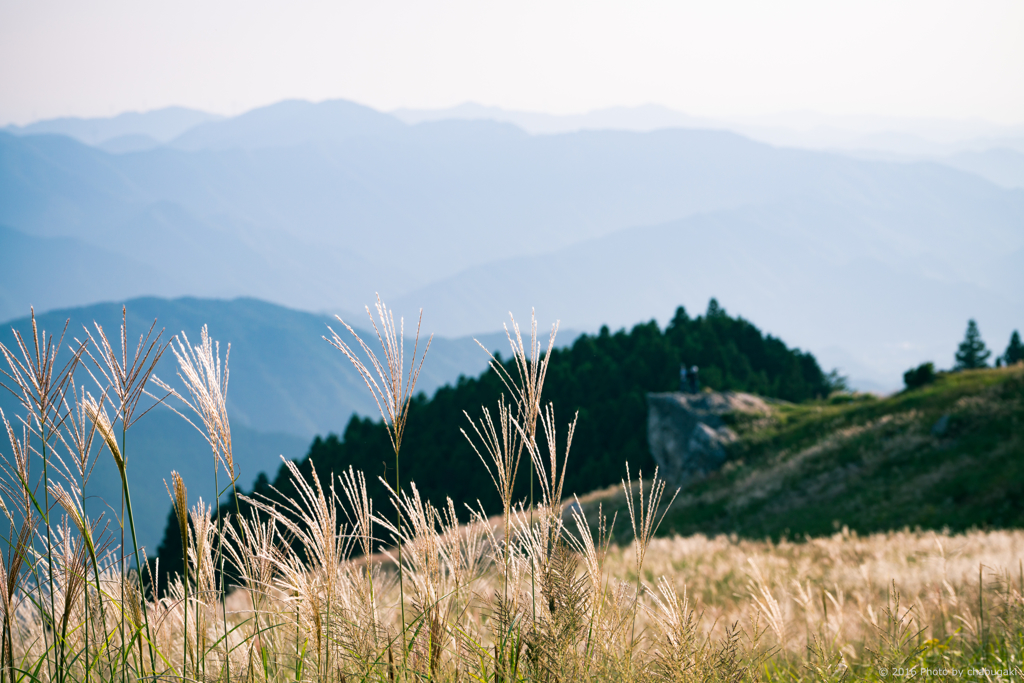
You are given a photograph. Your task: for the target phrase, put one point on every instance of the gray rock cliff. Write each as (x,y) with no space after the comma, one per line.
(687,434)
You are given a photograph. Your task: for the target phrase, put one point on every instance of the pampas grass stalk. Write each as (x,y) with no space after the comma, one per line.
(645,523)
(35,379)
(392,390)
(206,383)
(11,568)
(98,415)
(179,502)
(353,484)
(526,389)
(78,437)
(19,490)
(81,431)
(127,377)
(504,449)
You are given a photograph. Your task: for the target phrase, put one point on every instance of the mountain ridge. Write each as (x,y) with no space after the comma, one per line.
(324,225)
(162,125)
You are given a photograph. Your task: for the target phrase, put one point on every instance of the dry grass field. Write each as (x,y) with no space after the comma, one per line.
(334,586)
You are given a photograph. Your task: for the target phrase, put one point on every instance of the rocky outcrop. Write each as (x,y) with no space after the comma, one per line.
(687,434)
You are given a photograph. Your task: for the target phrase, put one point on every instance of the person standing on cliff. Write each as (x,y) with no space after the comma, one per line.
(691,375)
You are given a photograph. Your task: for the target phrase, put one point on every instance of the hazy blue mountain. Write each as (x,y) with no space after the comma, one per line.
(286,385)
(124,144)
(161,125)
(318,206)
(861,135)
(290,123)
(644,118)
(836,290)
(477,184)
(56,187)
(1001,166)
(53,272)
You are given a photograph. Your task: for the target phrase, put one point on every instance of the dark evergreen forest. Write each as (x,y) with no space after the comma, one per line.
(604,376)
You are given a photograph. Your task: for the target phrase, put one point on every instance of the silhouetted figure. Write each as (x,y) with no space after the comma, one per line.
(688,383)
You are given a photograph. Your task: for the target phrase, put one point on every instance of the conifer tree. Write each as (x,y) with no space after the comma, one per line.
(1015,351)
(972,353)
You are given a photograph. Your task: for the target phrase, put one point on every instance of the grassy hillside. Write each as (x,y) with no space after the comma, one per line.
(950,454)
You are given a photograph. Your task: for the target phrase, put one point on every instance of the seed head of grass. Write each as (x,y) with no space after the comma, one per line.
(179,503)
(97,414)
(318,513)
(19,471)
(12,565)
(200,550)
(70,502)
(593,551)
(133,604)
(551,476)
(206,383)
(78,434)
(531,370)
(644,517)
(503,447)
(762,596)
(353,484)
(423,550)
(33,377)
(673,614)
(252,547)
(391,386)
(126,375)
(72,557)
(536,539)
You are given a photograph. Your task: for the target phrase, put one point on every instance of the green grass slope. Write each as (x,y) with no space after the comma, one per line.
(950,454)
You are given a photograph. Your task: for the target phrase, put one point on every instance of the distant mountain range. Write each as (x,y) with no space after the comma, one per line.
(918,138)
(158,126)
(872,264)
(286,386)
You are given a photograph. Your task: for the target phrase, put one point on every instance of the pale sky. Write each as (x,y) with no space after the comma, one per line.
(935,58)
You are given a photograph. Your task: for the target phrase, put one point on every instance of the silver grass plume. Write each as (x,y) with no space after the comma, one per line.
(72,557)
(391,387)
(644,517)
(531,370)
(33,377)
(504,448)
(552,478)
(79,433)
(98,416)
(125,374)
(71,505)
(353,484)
(392,390)
(206,382)
(179,501)
(23,492)
(645,522)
